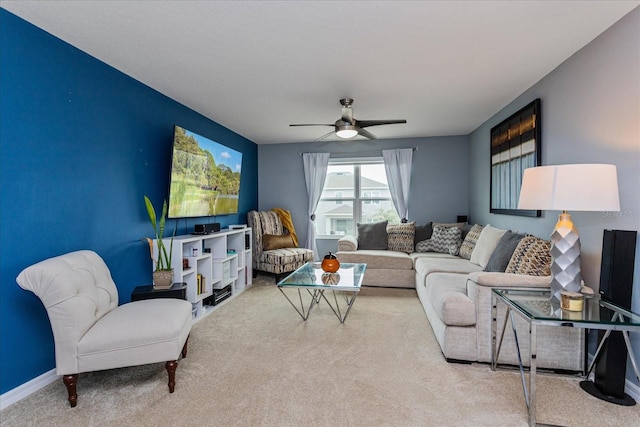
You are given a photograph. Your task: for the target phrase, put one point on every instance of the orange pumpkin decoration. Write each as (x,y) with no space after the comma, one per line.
(330,263)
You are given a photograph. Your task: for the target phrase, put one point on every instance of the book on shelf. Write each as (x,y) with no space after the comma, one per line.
(200,279)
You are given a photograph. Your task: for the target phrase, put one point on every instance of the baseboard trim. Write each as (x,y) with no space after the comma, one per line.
(12,396)
(632,390)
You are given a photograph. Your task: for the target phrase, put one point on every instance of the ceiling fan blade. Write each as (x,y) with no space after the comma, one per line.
(367,123)
(314,124)
(366,134)
(325,136)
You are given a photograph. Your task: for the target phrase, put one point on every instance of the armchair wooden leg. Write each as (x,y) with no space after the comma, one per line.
(184,349)
(70,381)
(171,369)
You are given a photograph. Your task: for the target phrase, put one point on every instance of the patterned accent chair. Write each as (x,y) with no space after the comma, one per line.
(275,261)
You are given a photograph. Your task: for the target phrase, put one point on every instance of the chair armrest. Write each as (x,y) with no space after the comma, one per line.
(348,243)
(509,280)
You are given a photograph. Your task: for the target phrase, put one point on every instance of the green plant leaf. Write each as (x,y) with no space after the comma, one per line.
(152,214)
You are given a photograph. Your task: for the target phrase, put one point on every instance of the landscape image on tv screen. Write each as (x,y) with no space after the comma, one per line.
(205,177)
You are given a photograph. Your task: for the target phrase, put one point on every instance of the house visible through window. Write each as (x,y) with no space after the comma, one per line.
(355,191)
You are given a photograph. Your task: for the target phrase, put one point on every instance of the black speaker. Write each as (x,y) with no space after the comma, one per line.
(616,286)
(214,227)
(206,228)
(616,271)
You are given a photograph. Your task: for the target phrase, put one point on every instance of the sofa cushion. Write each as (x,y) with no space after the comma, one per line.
(502,254)
(286,256)
(348,243)
(273,241)
(448,295)
(378,259)
(423,232)
(372,236)
(470,240)
(428,265)
(486,244)
(443,240)
(532,257)
(400,236)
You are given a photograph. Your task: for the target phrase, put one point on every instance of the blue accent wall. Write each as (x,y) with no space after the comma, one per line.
(80,145)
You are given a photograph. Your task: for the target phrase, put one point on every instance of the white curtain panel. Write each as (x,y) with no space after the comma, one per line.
(315,173)
(397,165)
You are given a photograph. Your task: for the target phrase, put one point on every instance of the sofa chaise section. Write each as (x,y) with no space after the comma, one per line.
(456,292)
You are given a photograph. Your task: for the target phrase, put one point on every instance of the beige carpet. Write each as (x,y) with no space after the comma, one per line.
(254,362)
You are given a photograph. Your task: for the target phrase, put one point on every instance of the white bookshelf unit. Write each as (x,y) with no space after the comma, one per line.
(211,262)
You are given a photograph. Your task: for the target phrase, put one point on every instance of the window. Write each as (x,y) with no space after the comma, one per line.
(355,191)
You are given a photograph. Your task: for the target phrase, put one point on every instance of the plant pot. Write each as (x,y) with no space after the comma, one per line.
(162,279)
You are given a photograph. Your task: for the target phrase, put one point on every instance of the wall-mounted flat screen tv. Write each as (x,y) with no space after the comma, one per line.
(205,177)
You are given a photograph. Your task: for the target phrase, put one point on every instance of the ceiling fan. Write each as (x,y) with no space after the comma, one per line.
(347,127)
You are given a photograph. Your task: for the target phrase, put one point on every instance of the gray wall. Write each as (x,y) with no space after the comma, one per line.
(439,177)
(590,114)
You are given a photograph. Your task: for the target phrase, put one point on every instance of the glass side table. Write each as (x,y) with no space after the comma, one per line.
(534,306)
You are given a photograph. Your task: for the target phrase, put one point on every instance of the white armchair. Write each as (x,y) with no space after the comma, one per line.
(91,332)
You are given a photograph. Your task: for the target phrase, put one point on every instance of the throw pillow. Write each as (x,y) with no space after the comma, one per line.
(470,241)
(274,241)
(501,256)
(400,236)
(372,236)
(444,240)
(532,257)
(487,242)
(423,232)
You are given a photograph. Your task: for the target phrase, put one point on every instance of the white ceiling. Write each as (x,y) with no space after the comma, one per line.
(257,66)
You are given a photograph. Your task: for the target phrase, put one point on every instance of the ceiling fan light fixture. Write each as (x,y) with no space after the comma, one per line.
(346,131)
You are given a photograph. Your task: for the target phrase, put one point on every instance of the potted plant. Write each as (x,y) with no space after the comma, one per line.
(163,273)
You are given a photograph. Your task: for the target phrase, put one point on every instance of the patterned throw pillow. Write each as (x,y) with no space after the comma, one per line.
(445,240)
(532,257)
(470,241)
(400,236)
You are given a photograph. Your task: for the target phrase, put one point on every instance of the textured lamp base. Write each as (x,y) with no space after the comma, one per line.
(565,258)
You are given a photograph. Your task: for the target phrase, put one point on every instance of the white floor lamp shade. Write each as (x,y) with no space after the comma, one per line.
(579,187)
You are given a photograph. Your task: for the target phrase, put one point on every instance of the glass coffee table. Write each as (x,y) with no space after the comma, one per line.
(534,306)
(310,278)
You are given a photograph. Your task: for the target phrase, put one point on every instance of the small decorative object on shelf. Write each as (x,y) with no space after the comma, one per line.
(330,263)
(330,278)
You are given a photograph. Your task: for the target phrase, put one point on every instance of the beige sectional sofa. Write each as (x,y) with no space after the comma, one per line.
(455,293)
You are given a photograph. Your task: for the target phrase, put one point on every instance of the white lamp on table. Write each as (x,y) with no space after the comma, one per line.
(578,187)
